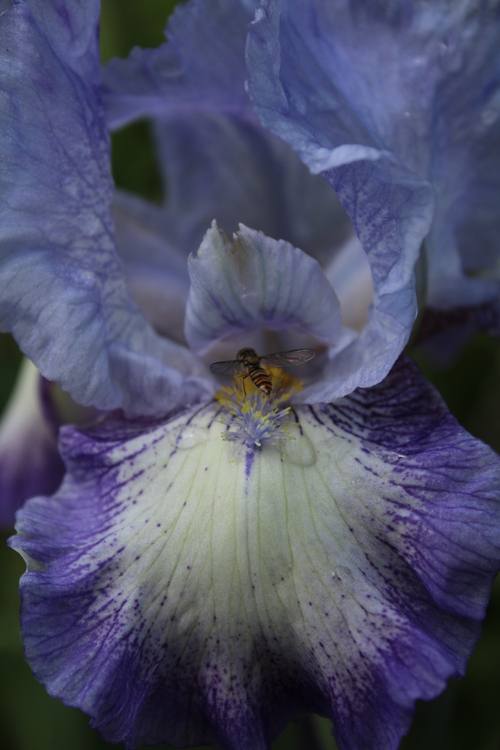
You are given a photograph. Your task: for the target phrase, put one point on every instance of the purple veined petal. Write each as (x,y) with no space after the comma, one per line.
(340,80)
(62,286)
(202,65)
(29,459)
(386,204)
(72,32)
(185,589)
(390,206)
(256,282)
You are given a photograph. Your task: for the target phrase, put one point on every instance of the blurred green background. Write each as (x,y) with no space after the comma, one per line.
(466,716)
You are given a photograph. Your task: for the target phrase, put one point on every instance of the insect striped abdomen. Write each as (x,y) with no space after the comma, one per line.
(261,379)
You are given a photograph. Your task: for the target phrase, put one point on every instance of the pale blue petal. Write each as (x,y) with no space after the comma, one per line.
(417,84)
(463,247)
(201,65)
(254,281)
(385,205)
(72,31)
(390,206)
(217,161)
(183,589)
(63,293)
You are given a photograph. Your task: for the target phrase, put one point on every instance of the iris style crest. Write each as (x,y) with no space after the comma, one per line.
(216,561)
(253,281)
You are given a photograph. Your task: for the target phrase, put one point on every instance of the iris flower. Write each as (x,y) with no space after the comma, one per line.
(217,559)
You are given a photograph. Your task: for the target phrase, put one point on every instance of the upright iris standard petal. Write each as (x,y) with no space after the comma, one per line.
(302,93)
(254,282)
(390,211)
(216,159)
(186,588)
(464,246)
(359,87)
(201,66)
(62,287)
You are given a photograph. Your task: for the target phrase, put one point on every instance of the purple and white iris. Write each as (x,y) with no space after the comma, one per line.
(214,562)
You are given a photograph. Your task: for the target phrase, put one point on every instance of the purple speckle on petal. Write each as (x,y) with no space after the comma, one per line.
(249,457)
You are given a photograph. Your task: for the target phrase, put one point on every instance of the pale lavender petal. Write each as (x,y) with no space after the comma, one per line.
(344,81)
(300,96)
(29,459)
(216,159)
(392,210)
(183,591)
(201,65)
(256,282)
(63,292)
(463,247)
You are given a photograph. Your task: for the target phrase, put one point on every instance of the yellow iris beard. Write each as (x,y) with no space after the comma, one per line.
(254,418)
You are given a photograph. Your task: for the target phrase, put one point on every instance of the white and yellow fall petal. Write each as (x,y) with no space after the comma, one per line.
(189,584)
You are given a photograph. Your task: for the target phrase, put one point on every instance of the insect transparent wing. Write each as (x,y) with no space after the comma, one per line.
(287,359)
(224,368)
(229,367)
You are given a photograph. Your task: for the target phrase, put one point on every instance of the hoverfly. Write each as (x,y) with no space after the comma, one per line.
(247,365)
